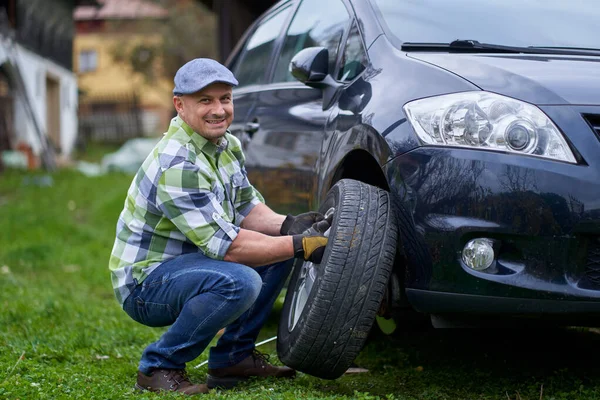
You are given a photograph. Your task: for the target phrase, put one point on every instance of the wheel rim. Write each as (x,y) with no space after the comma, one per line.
(304,286)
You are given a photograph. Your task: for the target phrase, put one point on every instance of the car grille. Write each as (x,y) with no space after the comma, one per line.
(594,121)
(592,266)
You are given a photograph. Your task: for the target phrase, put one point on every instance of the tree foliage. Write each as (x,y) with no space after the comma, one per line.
(186,31)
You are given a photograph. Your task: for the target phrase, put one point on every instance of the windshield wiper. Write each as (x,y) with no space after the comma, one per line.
(473,46)
(462,46)
(570,50)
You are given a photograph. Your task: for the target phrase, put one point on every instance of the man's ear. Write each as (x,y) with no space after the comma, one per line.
(178,103)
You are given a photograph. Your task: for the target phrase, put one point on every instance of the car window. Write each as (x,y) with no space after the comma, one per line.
(354,58)
(316,23)
(546,23)
(250,67)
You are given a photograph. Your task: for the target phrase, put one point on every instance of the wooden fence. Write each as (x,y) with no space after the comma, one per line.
(110,119)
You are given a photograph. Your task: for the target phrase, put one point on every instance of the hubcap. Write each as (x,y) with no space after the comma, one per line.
(305,282)
(304,285)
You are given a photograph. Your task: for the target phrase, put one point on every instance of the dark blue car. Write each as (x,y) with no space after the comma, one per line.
(456,144)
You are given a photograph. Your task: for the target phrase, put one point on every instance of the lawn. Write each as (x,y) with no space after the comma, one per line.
(63,336)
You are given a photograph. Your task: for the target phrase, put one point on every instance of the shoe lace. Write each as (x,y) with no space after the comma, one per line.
(177,376)
(262,358)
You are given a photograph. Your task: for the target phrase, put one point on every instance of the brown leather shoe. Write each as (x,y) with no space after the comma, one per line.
(256,364)
(170,380)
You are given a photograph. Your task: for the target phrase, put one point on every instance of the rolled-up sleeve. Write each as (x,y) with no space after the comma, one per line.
(184,195)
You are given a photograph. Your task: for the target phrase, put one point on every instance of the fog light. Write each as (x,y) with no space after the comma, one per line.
(478,254)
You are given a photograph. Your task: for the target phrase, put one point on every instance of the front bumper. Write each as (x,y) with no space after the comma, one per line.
(544,214)
(473,305)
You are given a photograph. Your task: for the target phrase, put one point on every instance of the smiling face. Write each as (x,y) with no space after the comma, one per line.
(208,112)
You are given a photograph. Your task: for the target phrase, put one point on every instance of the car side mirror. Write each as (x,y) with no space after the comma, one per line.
(310,66)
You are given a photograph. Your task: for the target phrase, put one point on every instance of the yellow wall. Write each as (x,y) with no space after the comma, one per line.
(114,78)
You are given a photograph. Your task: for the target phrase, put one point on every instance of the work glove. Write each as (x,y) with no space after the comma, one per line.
(319,228)
(309,248)
(296,225)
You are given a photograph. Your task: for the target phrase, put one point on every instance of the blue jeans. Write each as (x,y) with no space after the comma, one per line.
(197,296)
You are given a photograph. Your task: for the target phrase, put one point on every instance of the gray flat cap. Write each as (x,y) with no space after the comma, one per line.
(197,74)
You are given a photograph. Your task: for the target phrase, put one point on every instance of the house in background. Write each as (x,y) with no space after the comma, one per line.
(126,90)
(116,103)
(38,89)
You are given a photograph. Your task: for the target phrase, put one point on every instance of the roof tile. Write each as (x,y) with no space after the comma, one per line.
(119,9)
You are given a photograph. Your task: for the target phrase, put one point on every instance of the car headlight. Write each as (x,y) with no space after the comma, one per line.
(487,121)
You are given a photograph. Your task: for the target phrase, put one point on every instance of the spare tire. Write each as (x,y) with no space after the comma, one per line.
(330,308)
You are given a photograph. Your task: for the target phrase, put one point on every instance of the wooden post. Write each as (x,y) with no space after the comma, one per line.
(223,9)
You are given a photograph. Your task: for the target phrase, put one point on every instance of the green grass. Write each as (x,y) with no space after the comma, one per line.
(57,310)
(94,151)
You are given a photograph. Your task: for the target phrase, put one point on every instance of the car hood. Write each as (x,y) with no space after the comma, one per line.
(537,79)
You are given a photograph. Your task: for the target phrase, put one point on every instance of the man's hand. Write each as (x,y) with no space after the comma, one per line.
(296,225)
(309,248)
(321,227)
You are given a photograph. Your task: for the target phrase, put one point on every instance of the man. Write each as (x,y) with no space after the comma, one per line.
(197,248)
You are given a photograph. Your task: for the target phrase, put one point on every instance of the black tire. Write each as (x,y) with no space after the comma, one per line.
(347,287)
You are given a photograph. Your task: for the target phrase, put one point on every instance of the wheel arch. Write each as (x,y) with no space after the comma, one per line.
(360,165)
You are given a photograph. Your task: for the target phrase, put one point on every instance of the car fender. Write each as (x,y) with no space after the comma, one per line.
(359,143)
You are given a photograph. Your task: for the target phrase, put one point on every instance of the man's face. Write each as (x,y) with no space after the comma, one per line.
(208,112)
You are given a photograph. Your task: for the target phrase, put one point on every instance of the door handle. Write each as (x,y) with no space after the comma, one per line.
(251,128)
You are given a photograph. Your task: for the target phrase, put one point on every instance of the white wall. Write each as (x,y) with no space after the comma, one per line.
(2,52)
(34,70)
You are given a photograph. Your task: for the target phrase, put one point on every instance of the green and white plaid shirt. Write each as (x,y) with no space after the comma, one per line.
(189,195)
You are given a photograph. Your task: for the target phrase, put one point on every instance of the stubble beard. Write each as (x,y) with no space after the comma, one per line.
(213,135)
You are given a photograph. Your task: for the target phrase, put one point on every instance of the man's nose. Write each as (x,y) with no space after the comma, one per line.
(218,109)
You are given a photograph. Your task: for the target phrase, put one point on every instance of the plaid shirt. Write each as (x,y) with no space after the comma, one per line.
(189,195)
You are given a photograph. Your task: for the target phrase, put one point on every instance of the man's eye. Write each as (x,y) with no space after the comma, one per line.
(205,101)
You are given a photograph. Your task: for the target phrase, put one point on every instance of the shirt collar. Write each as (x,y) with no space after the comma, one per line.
(201,143)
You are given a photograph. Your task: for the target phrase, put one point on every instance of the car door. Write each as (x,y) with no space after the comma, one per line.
(288,116)
(348,122)
(248,63)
